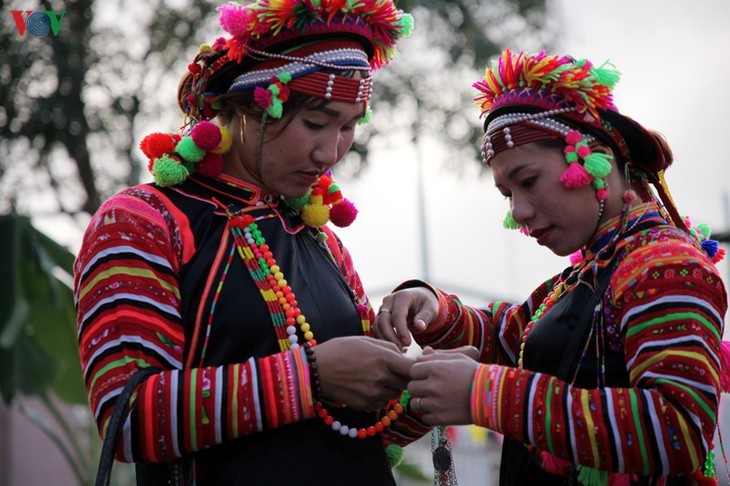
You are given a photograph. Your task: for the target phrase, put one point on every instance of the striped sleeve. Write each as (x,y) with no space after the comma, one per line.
(495,330)
(670,303)
(128,310)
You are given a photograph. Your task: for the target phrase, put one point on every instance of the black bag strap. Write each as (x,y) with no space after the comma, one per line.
(106,460)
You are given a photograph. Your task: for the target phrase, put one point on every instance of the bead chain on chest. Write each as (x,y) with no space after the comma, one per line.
(552,297)
(286,314)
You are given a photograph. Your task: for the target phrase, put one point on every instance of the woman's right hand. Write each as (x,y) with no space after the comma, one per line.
(405,310)
(362,372)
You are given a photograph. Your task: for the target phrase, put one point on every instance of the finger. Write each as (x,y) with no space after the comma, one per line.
(383,328)
(422,319)
(427,350)
(401,366)
(420,371)
(399,322)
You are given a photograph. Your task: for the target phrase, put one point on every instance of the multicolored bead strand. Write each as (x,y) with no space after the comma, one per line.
(552,297)
(286,314)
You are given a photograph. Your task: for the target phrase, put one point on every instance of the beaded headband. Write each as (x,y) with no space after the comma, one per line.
(528,97)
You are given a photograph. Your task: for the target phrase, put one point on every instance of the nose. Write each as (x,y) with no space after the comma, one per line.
(522,211)
(326,150)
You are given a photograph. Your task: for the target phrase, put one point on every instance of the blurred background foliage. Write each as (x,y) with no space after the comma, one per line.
(75,106)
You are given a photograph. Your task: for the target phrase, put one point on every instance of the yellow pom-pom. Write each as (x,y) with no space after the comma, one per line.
(316,199)
(205,48)
(315,215)
(226,141)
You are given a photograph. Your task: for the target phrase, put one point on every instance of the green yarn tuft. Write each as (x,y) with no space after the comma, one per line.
(299,202)
(168,172)
(706,230)
(597,164)
(367,117)
(406,24)
(598,184)
(284,77)
(571,156)
(708,469)
(588,476)
(606,74)
(395,455)
(187,149)
(509,222)
(276,109)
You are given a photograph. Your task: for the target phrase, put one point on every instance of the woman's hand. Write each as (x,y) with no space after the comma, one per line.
(440,386)
(406,309)
(362,372)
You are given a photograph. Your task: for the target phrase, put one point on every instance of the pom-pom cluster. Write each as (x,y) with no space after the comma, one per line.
(173,157)
(323,203)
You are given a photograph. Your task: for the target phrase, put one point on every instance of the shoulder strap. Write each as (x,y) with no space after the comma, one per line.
(333,245)
(106,460)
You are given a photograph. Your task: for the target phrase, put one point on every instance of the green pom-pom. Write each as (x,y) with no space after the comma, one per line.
(598,184)
(187,149)
(274,90)
(598,165)
(299,202)
(276,109)
(367,117)
(284,77)
(588,476)
(571,156)
(168,172)
(395,455)
(333,188)
(509,222)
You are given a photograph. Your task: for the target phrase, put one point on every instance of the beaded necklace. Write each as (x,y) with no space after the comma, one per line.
(286,314)
(553,296)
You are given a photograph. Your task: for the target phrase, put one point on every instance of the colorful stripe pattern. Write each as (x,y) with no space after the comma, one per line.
(129,316)
(664,308)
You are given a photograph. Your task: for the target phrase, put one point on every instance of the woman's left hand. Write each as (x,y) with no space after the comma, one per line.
(440,387)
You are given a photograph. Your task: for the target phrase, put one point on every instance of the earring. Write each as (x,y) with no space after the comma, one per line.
(242,128)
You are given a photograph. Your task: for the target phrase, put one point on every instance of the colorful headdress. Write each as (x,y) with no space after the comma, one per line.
(529,97)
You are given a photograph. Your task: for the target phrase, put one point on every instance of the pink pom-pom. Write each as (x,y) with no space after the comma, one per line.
(619,479)
(235,19)
(573,137)
(219,44)
(575,176)
(343,213)
(206,135)
(211,165)
(568,149)
(602,194)
(554,465)
(584,151)
(262,97)
(725,366)
(576,258)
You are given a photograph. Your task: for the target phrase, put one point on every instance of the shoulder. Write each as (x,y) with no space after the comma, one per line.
(664,256)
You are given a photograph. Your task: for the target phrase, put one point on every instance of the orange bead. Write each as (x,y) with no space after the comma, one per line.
(385,421)
(362,433)
(371,431)
(378,427)
(392,415)
(398,408)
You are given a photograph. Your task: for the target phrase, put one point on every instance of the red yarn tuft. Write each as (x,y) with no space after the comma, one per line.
(155,145)
(332,197)
(719,256)
(702,480)
(576,258)
(343,214)
(602,194)
(554,465)
(575,176)
(206,135)
(211,165)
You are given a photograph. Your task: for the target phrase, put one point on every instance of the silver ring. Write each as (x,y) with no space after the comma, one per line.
(418,405)
(384,309)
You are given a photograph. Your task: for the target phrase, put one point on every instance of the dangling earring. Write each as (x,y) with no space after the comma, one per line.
(242,128)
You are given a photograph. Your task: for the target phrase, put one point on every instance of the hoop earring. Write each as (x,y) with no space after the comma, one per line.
(242,128)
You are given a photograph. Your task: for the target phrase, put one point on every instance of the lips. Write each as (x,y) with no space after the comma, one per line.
(541,234)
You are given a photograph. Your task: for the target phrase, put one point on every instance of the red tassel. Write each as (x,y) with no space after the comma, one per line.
(554,465)
(575,176)
(725,366)
(719,256)
(702,480)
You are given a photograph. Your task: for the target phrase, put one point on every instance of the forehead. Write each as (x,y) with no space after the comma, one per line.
(511,162)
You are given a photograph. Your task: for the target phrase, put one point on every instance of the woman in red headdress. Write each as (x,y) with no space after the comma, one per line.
(224,276)
(610,372)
